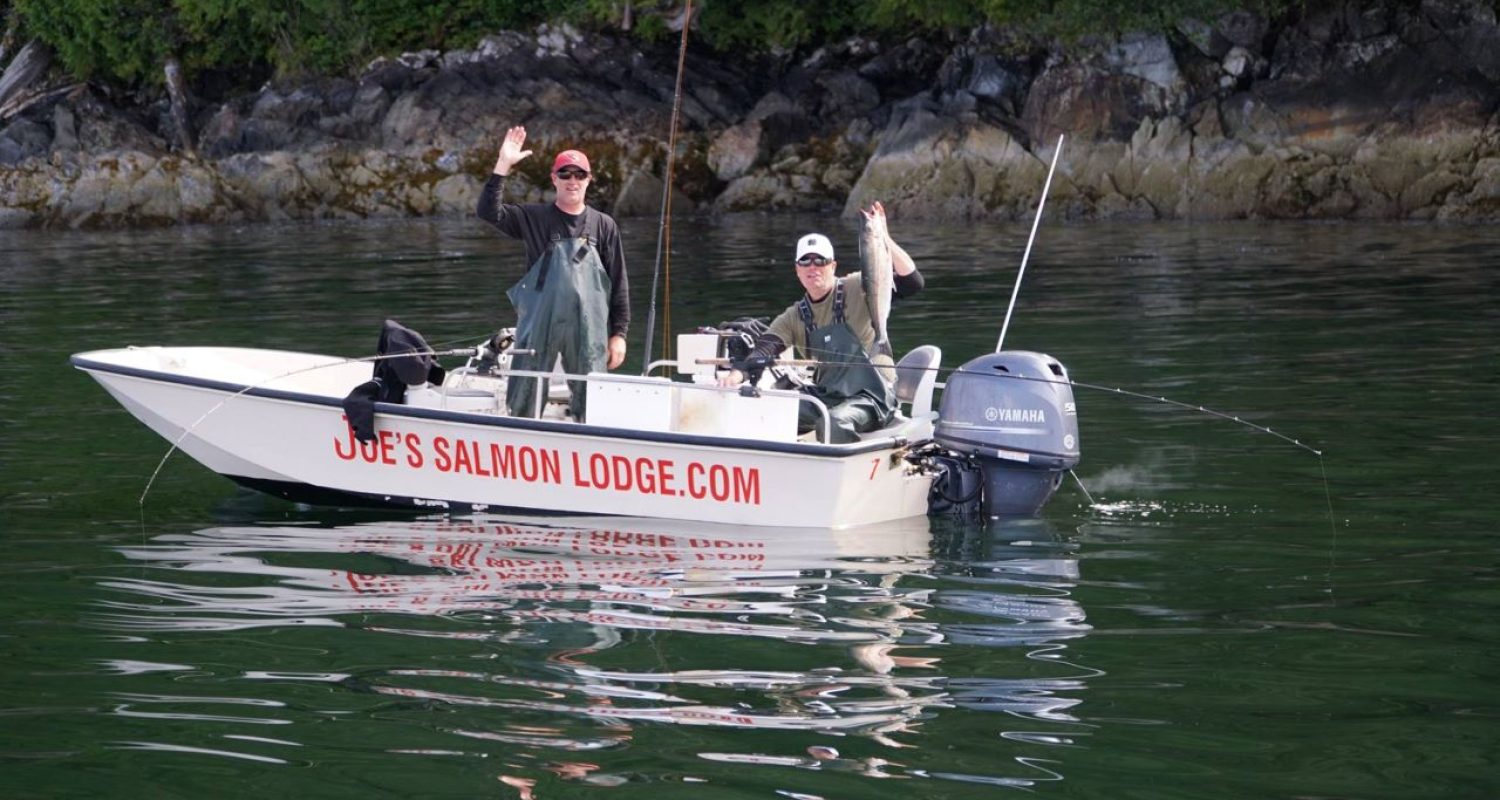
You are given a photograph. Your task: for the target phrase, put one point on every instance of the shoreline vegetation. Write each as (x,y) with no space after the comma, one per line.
(133,113)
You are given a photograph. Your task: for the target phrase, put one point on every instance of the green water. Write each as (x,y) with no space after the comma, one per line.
(1231,615)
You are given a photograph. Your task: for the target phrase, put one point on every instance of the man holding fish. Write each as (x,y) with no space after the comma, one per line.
(841,323)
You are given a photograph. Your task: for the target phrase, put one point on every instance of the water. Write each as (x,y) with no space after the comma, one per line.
(1231,617)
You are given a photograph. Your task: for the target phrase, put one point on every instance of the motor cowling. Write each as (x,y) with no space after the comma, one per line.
(1013,412)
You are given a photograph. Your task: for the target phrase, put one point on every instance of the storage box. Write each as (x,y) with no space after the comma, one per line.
(695,347)
(643,404)
(769,418)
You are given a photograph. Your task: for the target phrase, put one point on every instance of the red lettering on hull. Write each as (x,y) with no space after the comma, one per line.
(597,471)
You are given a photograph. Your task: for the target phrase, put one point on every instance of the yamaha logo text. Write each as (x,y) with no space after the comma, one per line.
(1036,415)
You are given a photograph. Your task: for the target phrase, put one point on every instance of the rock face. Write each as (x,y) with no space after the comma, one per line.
(1350,111)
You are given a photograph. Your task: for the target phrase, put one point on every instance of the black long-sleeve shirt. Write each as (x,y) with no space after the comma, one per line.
(537,224)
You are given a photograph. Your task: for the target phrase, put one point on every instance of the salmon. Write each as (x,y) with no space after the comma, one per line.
(877,276)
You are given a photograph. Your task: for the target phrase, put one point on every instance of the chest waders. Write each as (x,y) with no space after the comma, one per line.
(562,309)
(858,399)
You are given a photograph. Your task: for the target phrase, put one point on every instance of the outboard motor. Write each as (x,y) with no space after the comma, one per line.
(1013,412)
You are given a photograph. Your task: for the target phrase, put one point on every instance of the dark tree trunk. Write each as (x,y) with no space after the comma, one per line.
(8,39)
(181,131)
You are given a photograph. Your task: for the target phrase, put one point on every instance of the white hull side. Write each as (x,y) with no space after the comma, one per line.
(538,466)
(215,459)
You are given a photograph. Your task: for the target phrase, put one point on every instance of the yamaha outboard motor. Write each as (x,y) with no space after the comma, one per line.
(1013,412)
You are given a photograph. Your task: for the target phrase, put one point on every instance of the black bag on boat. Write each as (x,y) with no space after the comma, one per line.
(736,347)
(746,330)
(404,360)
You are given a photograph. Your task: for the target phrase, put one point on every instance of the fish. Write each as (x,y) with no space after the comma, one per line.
(876,275)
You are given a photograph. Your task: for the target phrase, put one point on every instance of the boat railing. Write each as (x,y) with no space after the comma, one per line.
(659,363)
(824,422)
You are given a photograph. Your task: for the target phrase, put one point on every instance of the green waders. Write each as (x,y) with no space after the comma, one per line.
(858,398)
(562,309)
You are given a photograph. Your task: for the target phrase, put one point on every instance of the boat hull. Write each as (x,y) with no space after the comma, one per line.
(298,445)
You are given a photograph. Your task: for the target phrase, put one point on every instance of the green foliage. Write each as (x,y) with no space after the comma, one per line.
(396,25)
(765,24)
(762,25)
(126,41)
(918,15)
(1082,17)
(86,34)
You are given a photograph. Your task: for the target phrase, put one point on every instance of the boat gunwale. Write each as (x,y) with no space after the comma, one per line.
(83,362)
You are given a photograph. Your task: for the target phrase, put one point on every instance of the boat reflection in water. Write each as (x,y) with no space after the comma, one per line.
(572,633)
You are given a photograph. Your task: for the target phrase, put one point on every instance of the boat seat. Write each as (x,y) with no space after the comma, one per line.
(916,375)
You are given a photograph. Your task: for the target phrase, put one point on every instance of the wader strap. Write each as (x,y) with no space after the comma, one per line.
(589,232)
(593,221)
(804,310)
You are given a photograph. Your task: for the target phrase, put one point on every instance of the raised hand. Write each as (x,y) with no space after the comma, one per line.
(510,150)
(875,219)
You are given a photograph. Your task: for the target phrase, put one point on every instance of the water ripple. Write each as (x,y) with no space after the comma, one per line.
(589,635)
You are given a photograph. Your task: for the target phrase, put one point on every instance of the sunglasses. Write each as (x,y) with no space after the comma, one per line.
(813,261)
(572,174)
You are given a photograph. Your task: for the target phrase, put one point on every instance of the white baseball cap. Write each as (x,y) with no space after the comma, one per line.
(814,244)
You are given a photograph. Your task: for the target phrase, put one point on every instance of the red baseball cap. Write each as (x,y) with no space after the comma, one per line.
(571,158)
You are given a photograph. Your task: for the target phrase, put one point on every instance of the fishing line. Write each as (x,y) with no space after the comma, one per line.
(1322,465)
(1327,491)
(1189,406)
(1333,539)
(950,371)
(1085,489)
(178,441)
(664,230)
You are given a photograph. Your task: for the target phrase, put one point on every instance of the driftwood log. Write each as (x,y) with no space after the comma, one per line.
(30,64)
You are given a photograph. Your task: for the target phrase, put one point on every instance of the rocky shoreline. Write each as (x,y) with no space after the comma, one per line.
(1349,113)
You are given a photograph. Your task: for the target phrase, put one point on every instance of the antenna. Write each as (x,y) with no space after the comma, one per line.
(1040,204)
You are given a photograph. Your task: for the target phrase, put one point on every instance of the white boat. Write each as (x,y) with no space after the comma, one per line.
(650,446)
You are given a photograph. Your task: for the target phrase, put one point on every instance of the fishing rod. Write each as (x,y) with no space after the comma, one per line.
(1016,290)
(664,230)
(1036,221)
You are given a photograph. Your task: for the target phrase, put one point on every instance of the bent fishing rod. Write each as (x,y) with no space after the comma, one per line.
(664,230)
(1016,290)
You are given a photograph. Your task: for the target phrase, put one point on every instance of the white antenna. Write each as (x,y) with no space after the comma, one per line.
(1000,345)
